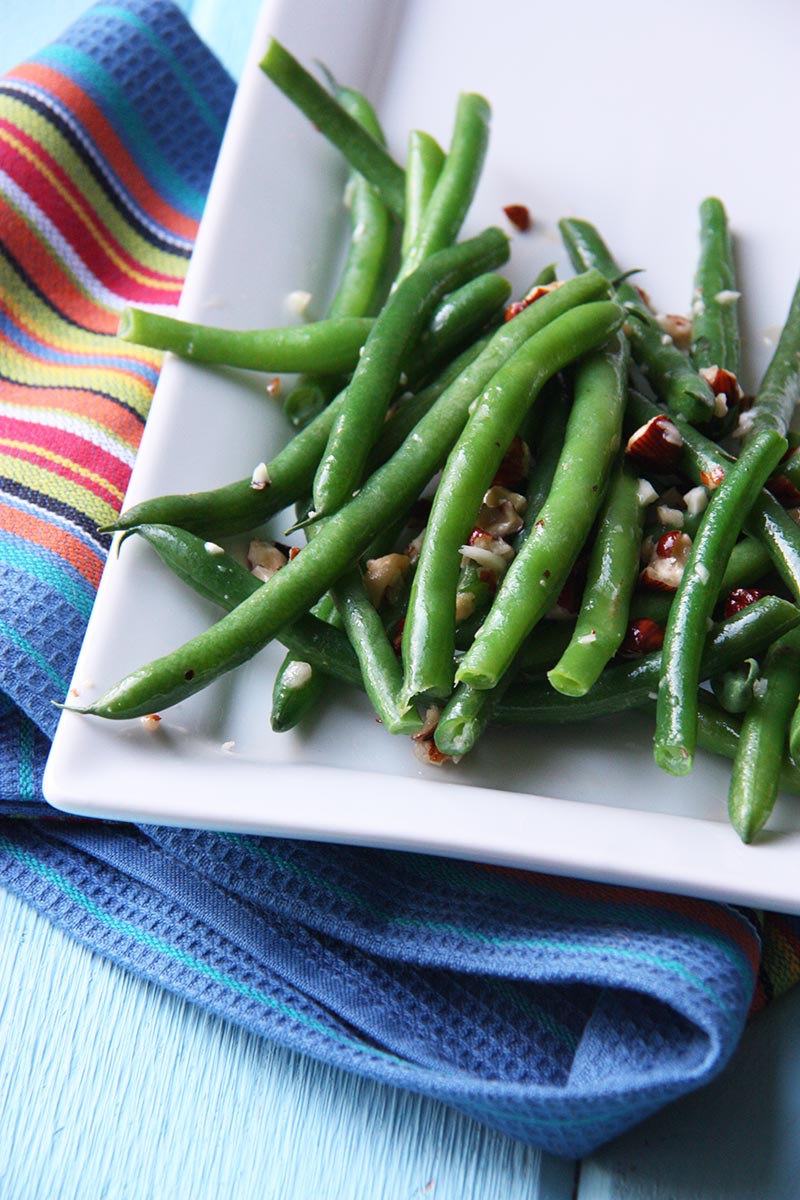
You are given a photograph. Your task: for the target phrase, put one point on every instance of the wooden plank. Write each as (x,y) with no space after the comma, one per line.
(112,1087)
(737,1139)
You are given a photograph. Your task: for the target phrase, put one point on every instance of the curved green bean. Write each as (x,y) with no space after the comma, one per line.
(322,347)
(220,578)
(612,573)
(361,150)
(676,714)
(358,422)
(755,778)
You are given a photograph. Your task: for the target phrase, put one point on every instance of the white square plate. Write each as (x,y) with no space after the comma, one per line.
(626,120)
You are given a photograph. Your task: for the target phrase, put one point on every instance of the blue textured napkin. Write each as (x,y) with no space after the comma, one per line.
(559,1012)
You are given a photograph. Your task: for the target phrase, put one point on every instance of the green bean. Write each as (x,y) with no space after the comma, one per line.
(321,347)
(794,735)
(755,778)
(704,462)
(634,682)
(370,231)
(423,167)
(360,149)
(719,733)
(369,225)
(380,669)
(612,573)
(475,592)
(359,420)
(540,570)
(456,322)
(429,631)
(785,483)
(218,577)
(391,491)
(298,688)
(410,409)
(455,187)
(310,395)
(466,715)
(676,714)
(546,275)
(734,688)
(779,391)
(715,326)
(684,391)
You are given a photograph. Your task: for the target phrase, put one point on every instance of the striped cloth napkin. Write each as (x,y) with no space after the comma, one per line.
(558,1012)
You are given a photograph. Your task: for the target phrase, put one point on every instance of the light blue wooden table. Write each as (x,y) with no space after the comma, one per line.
(112,1088)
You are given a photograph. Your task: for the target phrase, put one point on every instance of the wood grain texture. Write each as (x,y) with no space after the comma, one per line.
(112,1088)
(737,1139)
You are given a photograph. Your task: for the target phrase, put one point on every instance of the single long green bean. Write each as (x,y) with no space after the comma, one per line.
(429,631)
(715,325)
(455,187)
(424,164)
(610,580)
(220,578)
(540,570)
(755,779)
(322,347)
(676,715)
(360,149)
(358,422)
(683,390)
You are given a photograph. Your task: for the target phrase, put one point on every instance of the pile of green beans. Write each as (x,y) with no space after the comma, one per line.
(569,460)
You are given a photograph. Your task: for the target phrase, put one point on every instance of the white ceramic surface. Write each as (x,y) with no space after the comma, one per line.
(627,118)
